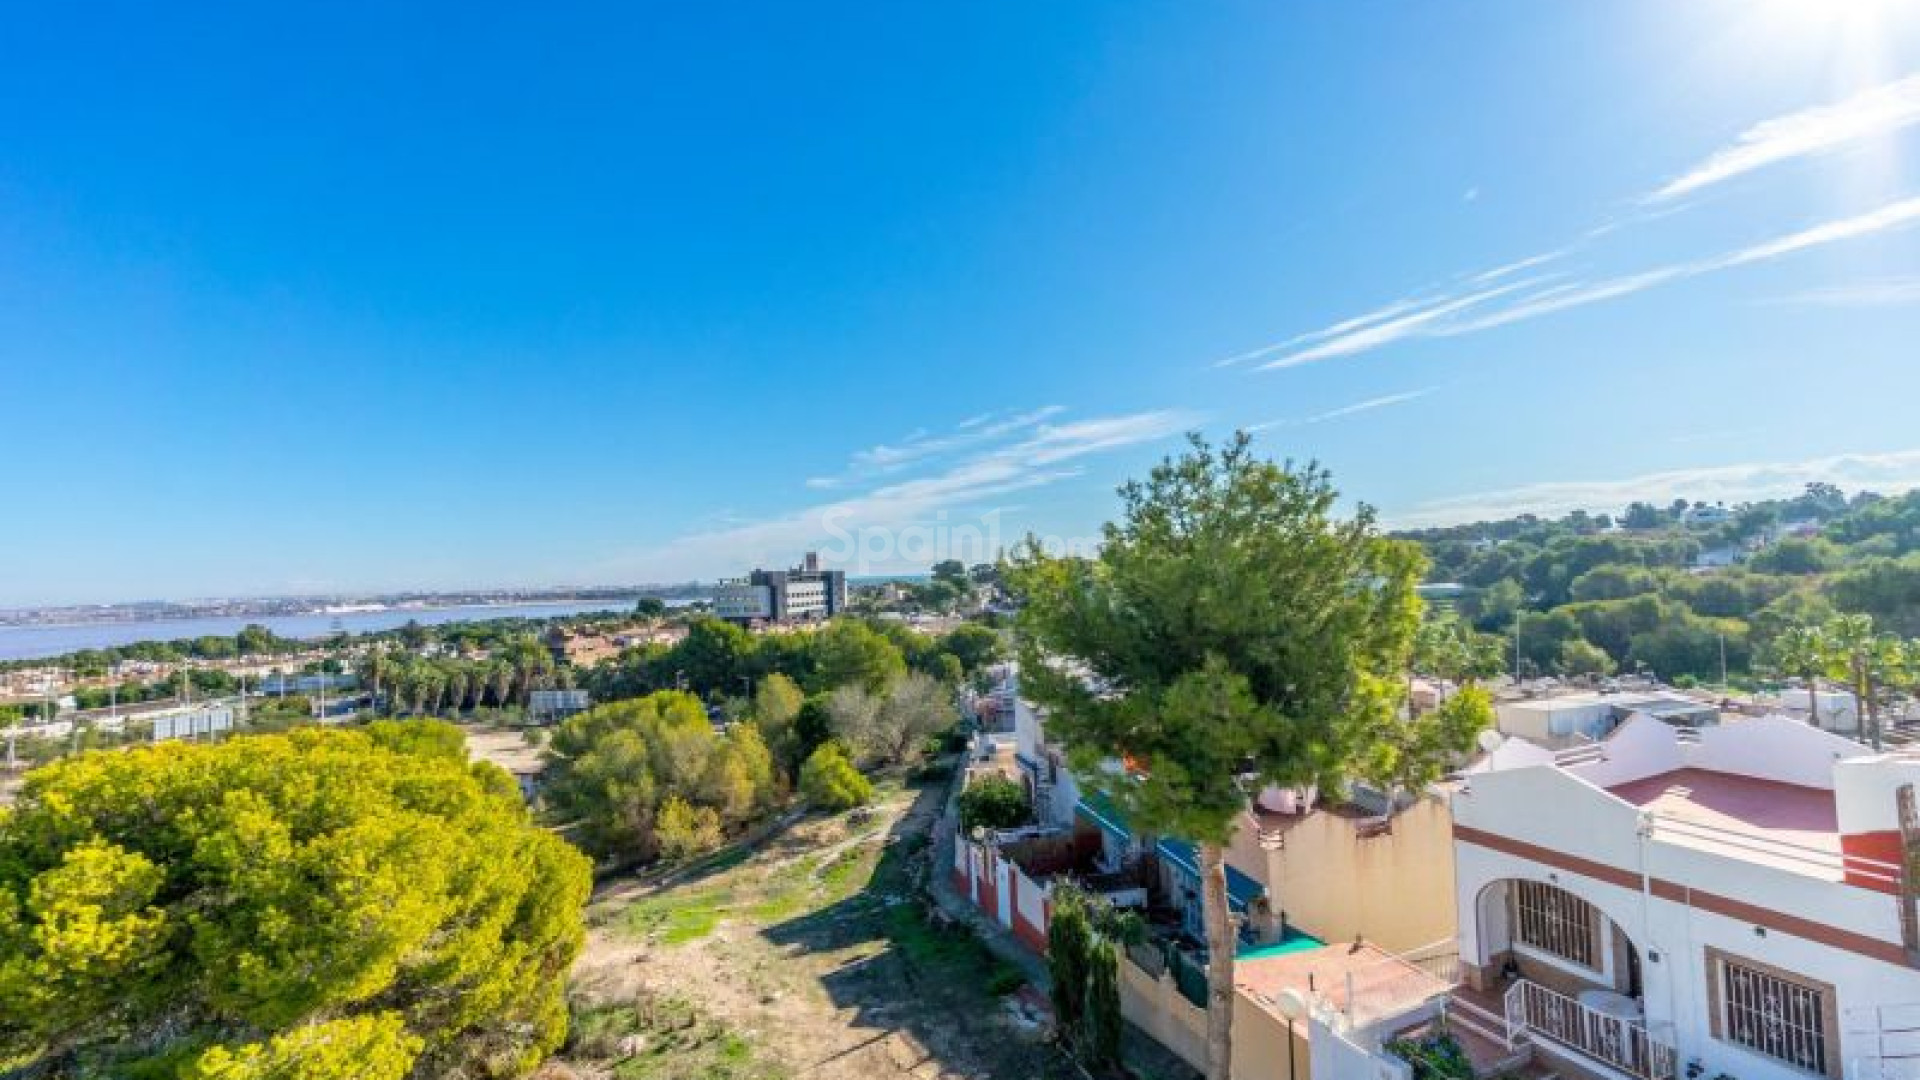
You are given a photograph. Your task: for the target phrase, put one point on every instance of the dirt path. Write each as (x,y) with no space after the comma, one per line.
(810,957)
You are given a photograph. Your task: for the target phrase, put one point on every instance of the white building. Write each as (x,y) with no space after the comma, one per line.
(743,601)
(1703,517)
(207,720)
(1584,715)
(1719,558)
(1056,794)
(1720,901)
(1833,710)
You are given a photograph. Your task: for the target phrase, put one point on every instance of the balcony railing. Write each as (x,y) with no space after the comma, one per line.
(1544,1014)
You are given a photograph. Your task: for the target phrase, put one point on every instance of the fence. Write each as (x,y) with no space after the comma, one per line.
(1603,1037)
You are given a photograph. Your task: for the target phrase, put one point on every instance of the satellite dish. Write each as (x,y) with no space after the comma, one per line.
(1491,740)
(1291,1003)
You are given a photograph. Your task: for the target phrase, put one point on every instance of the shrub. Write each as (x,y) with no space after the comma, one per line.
(686,830)
(994,802)
(830,782)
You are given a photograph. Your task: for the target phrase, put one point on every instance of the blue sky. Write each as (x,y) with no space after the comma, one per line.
(341,297)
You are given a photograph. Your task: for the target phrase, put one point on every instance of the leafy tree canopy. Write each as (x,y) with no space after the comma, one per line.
(279,905)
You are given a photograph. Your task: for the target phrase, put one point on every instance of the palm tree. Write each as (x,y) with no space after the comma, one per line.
(373,667)
(1856,653)
(500,681)
(1802,651)
(459,679)
(531,663)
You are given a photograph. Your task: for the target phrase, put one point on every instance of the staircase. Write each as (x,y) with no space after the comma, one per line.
(1474,1020)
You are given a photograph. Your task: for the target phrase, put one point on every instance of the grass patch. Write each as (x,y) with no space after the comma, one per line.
(846,875)
(664,1037)
(725,860)
(672,918)
(948,957)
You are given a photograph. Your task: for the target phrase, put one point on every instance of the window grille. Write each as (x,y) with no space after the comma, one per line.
(1557,922)
(1775,1016)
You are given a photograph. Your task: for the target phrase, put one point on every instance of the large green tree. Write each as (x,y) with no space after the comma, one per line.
(615,767)
(851,653)
(264,906)
(1231,633)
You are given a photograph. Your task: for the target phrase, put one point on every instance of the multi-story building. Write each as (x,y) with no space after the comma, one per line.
(1730,901)
(802,594)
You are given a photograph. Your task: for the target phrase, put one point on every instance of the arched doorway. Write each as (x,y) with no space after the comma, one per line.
(1540,931)
(1567,974)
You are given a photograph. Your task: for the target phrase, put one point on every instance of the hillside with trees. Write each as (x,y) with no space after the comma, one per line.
(1676,590)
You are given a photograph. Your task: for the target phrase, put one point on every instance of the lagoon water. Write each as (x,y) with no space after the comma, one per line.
(29,642)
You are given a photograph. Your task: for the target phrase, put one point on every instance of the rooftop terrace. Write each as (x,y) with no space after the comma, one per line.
(1746,805)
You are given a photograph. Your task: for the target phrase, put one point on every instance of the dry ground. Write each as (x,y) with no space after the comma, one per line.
(811,955)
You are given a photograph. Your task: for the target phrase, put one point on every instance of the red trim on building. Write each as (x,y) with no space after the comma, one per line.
(1831,936)
(1859,852)
(1030,935)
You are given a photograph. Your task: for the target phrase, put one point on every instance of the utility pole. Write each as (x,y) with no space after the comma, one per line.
(1723,660)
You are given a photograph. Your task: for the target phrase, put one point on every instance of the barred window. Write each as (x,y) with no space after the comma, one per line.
(1557,922)
(1780,1017)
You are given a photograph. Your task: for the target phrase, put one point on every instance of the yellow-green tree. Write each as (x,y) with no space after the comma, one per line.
(614,768)
(828,781)
(264,906)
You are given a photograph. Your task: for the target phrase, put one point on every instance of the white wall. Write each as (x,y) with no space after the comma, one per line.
(1774,748)
(1639,748)
(1865,791)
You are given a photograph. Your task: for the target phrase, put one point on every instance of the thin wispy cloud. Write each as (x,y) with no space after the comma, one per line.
(887,459)
(1419,323)
(1368,405)
(1887,473)
(1870,114)
(1023,456)
(1499,296)
(1345,326)
(1478,311)
(1883,292)
(1488,277)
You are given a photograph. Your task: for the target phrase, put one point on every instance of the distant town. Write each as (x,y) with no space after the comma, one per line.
(327,604)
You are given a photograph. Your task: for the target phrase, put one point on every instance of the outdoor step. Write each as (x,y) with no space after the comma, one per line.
(1489,1056)
(1467,1022)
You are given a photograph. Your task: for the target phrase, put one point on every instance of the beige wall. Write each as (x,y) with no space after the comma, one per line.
(1260,1039)
(1394,889)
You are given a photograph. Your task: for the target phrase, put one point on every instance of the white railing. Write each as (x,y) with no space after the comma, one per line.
(1610,1040)
(1441,959)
